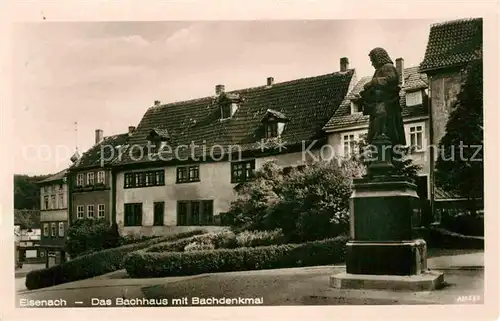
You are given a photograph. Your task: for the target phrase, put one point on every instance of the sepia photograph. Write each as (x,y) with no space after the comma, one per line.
(244,163)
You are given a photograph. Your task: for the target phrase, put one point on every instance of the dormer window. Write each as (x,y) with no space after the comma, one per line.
(157,139)
(356,107)
(414,98)
(274,123)
(229,104)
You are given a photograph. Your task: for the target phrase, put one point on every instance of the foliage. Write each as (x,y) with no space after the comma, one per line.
(460,166)
(91,235)
(93,264)
(27,192)
(259,238)
(306,204)
(27,219)
(198,246)
(402,160)
(142,264)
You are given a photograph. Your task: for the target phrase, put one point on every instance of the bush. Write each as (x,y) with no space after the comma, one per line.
(225,239)
(464,223)
(143,264)
(93,264)
(444,239)
(91,235)
(198,246)
(259,238)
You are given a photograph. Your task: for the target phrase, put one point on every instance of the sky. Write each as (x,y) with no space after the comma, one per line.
(105,75)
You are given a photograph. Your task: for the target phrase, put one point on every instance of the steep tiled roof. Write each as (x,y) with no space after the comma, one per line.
(110,147)
(56,177)
(453,43)
(343,117)
(308,103)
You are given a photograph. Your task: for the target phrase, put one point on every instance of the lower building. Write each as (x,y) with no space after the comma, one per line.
(54,218)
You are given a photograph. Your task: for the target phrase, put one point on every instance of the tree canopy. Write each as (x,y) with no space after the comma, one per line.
(460,165)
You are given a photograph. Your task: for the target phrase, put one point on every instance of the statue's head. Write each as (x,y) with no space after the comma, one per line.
(379,57)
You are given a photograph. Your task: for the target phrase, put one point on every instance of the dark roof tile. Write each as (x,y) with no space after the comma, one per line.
(103,153)
(453,43)
(343,117)
(308,104)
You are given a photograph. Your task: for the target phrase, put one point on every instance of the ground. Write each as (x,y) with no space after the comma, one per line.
(464,277)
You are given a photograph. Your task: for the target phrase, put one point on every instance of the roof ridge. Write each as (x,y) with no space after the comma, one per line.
(450,22)
(192,100)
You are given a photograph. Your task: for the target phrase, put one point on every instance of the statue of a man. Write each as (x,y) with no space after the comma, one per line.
(380,100)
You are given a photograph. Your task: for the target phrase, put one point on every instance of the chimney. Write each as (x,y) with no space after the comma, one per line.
(400,67)
(270,81)
(98,136)
(344,64)
(157,103)
(219,89)
(131,130)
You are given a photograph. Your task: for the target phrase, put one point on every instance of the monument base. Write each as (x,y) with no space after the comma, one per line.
(386,258)
(426,281)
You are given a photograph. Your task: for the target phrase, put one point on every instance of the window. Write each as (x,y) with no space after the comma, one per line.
(100,211)
(45,189)
(79,211)
(90,211)
(225,110)
(53,229)
(79,180)
(45,202)
(61,229)
(133,214)
(188,174)
(355,108)
(414,98)
(144,179)
(53,202)
(100,177)
(159,210)
(182,213)
(61,200)
(416,137)
(349,143)
(195,213)
(45,229)
(90,178)
(271,129)
(242,171)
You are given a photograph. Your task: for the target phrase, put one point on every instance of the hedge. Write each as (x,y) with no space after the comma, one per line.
(142,264)
(444,239)
(94,264)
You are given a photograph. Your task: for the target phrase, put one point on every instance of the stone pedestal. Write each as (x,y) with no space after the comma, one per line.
(382,252)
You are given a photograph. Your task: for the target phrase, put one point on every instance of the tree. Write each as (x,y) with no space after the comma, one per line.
(90,235)
(27,192)
(460,166)
(306,204)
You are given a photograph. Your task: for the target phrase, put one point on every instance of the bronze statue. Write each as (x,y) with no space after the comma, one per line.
(380,100)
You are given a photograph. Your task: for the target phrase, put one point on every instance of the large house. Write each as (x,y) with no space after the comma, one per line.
(349,126)
(54,217)
(185,158)
(91,180)
(451,46)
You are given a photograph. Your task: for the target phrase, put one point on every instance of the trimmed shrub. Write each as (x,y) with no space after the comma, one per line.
(198,246)
(260,238)
(93,264)
(91,235)
(224,239)
(443,239)
(143,264)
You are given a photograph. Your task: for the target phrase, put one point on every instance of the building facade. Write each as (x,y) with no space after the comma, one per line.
(27,237)
(54,217)
(91,180)
(451,47)
(186,159)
